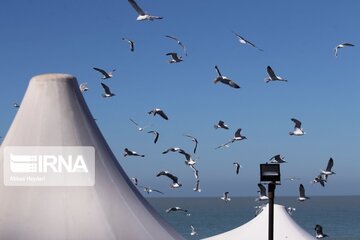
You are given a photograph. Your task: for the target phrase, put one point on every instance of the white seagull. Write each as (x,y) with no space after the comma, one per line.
(194,140)
(149,190)
(272,76)
(131,44)
(172,149)
(176,209)
(193,231)
(83,87)
(178,42)
(142,15)
(105,75)
(107,91)
(328,170)
(224,80)
(302,196)
(342,45)
(298,131)
(262,193)
(319,231)
(128,152)
(188,159)
(159,112)
(237,167)
(174,57)
(221,124)
(156,135)
(321,178)
(137,125)
(226,197)
(16,105)
(238,136)
(175,179)
(197,186)
(244,41)
(277,159)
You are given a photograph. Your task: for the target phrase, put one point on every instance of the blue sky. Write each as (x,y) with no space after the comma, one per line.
(298,39)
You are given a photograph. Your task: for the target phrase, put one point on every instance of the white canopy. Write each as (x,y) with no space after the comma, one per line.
(54,113)
(257,229)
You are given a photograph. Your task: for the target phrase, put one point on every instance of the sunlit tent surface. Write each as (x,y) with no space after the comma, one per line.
(54,113)
(284,228)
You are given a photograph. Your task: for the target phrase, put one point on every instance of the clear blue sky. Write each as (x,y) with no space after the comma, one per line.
(298,38)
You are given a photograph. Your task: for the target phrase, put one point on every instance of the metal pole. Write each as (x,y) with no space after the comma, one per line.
(271,196)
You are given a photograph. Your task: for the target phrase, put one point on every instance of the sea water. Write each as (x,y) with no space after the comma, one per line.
(338,215)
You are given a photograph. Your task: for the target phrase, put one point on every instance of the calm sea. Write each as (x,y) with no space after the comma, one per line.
(339,216)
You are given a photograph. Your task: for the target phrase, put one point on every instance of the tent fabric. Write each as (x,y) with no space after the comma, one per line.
(54,113)
(257,228)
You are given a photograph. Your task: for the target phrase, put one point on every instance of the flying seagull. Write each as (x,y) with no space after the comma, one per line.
(178,42)
(226,197)
(262,193)
(142,15)
(156,135)
(150,190)
(176,209)
(193,231)
(238,136)
(221,124)
(328,170)
(302,196)
(224,80)
(107,92)
(128,152)
(137,125)
(319,231)
(16,105)
(175,179)
(197,186)
(173,149)
(131,44)
(188,159)
(105,75)
(194,140)
(298,131)
(321,178)
(223,145)
(277,159)
(159,112)
(342,45)
(237,167)
(83,87)
(244,41)
(174,57)
(272,76)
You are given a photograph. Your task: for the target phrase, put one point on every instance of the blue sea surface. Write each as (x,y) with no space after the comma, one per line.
(339,215)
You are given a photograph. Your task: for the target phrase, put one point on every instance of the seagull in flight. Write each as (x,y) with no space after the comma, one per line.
(156,135)
(128,152)
(224,80)
(174,57)
(105,75)
(197,186)
(193,231)
(272,76)
(277,159)
(173,149)
(328,170)
(194,140)
(226,197)
(262,193)
(298,131)
(189,161)
(175,179)
(238,136)
(223,145)
(131,44)
(176,209)
(150,190)
(321,178)
(302,196)
(142,15)
(237,167)
(221,124)
(178,42)
(342,45)
(137,125)
(107,92)
(244,41)
(319,231)
(159,112)
(16,105)
(83,87)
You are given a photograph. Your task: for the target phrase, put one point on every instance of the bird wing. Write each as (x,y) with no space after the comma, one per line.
(231,83)
(155,190)
(172,177)
(217,70)
(136,7)
(162,114)
(237,133)
(156,136)
(134,122)
(271,72)
(103,72)
(348,45)
(302,190)
(106,88)
(172,37)
(297,123)
(330,165)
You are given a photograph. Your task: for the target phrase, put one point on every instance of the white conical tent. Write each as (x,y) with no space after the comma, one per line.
(54,113)
(284,227)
